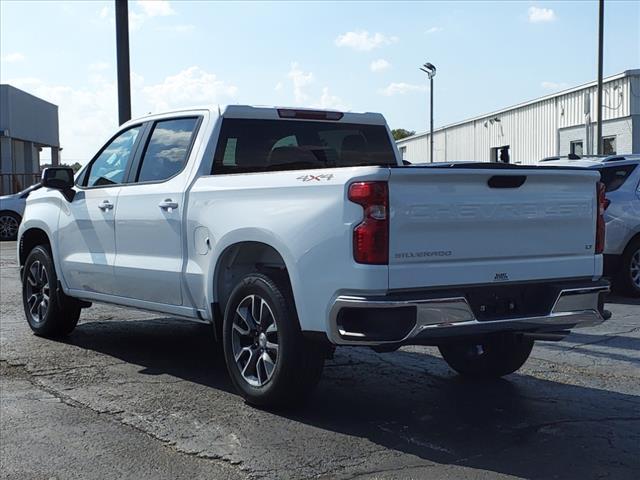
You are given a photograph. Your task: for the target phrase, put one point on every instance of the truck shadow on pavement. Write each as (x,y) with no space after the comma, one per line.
(623,300)
(521,425)
(184,349)
(409,402)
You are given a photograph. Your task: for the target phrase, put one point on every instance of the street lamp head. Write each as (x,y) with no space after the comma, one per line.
(429,69)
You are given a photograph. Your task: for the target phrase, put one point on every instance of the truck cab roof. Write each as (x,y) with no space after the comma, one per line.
(275,113)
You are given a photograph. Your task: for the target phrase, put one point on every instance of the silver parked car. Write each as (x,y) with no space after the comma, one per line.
(11,211)
(621,176)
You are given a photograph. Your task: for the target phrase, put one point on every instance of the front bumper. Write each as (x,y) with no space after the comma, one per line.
(431,319)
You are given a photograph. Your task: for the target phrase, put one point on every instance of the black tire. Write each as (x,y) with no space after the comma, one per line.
(492,358)
(629,275)
(59,314)
(298,361)
(9,223)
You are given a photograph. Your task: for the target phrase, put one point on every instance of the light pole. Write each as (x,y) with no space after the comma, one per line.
(600,52)
(122,56)
(430,70)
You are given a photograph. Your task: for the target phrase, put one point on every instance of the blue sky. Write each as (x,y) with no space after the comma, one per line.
(360,56)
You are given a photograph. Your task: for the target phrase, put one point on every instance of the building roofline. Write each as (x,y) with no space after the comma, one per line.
(612,78)
(39,99)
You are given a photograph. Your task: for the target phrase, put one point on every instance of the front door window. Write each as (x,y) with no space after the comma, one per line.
(110,167)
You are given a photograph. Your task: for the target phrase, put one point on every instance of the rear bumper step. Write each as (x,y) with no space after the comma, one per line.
(362,320)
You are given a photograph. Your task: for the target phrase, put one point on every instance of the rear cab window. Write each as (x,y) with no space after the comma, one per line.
(614,177)
(248,145)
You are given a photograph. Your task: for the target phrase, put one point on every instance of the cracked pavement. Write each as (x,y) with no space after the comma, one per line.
(134,395)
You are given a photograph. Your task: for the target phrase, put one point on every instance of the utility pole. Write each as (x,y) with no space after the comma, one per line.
(430,70)
(431,119)
(122,55)
(600,61)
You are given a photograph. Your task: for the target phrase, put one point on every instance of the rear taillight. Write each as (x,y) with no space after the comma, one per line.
(371,236)
(603,203)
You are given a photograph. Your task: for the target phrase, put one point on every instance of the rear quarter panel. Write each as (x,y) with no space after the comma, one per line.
(304,215)
(623,215)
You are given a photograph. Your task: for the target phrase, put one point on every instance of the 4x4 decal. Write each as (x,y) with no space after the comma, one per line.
(318,178)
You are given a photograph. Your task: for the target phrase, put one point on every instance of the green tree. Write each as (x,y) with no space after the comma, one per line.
(76,166)
(400,133)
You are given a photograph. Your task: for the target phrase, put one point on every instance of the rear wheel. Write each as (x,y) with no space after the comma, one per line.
(9,224)
(492,358)
(270,362)
(629,277)
(48,313)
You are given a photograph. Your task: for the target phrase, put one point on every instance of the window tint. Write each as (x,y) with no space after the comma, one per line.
(614,177)
(110,166)
(167,149)
(269,145)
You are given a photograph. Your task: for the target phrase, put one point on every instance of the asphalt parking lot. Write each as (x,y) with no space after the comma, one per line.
(136,395)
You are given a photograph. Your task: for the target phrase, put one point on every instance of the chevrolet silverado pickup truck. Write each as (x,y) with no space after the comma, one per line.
(294,231)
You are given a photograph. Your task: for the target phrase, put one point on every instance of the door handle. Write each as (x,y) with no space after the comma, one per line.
(168,205)
(106,205)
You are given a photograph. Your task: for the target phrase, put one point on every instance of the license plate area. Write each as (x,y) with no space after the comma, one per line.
(511,301)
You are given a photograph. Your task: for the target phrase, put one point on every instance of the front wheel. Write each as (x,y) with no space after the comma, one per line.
(491,358)
(48,313)
(270,362)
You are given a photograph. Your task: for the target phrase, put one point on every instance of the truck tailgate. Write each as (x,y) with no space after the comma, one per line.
(463,226)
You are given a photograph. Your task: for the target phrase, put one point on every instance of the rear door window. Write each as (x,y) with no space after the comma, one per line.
(167,149)
(271,145)
(614,177)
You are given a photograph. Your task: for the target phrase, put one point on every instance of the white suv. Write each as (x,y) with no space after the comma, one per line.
(621,176)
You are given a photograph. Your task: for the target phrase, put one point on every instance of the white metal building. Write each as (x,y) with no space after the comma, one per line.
(556,124)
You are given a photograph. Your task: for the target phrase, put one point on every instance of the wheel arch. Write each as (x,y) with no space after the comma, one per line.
(632,240)
(13,212)
(241,258)
(29,239)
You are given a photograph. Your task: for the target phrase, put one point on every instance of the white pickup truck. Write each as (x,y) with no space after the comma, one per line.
(293,231)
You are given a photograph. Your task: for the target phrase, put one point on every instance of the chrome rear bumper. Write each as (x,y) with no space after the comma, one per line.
(453,317)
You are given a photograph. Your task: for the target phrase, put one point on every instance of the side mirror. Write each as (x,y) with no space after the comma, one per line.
(59,178)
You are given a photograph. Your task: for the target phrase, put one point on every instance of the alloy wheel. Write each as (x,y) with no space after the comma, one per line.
(254,340)
(635,269)
(37,291)
(8,227)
